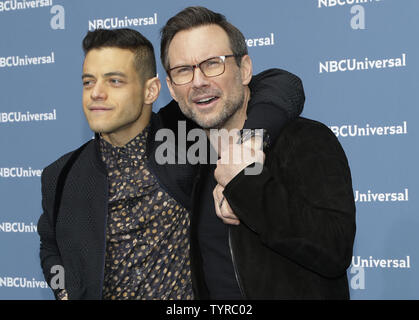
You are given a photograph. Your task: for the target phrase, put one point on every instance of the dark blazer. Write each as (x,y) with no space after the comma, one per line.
(297,220)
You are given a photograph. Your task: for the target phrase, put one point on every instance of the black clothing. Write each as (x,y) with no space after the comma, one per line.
(297,220)
(213,243)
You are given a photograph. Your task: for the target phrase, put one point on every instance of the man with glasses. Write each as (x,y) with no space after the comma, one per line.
(286,233)
(114,220)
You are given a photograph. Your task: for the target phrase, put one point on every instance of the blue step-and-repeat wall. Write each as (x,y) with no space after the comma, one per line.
(358,60)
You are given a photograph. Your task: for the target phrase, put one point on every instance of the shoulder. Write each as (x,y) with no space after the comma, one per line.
(170,115)
(301,127)
(52,171)
(278,77)
(279,88)
(308,135)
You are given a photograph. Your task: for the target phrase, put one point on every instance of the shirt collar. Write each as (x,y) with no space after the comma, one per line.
(127,155)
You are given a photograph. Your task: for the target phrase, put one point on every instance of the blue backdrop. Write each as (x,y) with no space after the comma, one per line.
(358,60)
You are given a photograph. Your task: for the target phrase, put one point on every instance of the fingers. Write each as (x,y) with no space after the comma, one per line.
(254,143)
(227,168)
(222,208)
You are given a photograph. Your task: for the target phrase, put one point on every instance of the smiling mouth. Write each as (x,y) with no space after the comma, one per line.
(206,101)
(99,108)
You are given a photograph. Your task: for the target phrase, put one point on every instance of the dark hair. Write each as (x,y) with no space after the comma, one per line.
(145,60)
(192,17)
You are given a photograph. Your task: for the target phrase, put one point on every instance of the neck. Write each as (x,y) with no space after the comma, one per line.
(125,134)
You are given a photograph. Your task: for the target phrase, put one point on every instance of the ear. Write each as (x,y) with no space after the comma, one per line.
(170,86)
(246,69)
(152,90)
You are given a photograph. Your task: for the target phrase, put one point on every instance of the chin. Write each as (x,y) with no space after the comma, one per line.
(213,123)
(97,128)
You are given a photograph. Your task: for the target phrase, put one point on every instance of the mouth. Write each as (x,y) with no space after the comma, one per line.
(206,102)
(99,109)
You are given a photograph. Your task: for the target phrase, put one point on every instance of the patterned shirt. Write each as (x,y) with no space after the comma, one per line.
(147,236)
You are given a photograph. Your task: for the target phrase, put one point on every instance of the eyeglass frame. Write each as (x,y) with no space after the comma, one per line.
(198,65)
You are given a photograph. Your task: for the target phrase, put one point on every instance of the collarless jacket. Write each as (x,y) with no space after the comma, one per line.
(297,220)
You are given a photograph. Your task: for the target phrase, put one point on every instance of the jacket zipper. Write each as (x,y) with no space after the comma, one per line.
(234,264)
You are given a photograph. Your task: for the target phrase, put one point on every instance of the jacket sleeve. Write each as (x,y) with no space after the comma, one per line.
(302,204)
(49,252)
(277,96)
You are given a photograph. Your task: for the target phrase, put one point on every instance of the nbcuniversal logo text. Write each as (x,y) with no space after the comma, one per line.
(20,172)
(370,196)
(356,130)
(18,116)
(18,227)
(13,5)
(359,264)
(22,282)
(354,64)
(24,61)
(372,262)
(57,280)
(334,3)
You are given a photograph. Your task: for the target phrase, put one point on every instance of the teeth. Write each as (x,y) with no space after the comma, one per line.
(205,100)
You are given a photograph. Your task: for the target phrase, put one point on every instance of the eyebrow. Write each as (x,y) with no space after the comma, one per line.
(106,75)
(115,73)
(86,75)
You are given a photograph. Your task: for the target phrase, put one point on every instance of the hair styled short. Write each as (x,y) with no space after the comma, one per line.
(145,60)
(192,17)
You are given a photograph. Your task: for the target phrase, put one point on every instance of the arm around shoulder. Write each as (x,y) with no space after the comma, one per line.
(277,96)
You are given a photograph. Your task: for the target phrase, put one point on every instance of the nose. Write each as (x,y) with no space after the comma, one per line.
(199,79)
(98,92)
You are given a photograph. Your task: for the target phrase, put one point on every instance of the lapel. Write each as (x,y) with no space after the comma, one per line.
(81,222)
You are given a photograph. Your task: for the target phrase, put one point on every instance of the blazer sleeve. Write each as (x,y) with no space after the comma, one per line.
(49,252)
(302,204)
(277,96)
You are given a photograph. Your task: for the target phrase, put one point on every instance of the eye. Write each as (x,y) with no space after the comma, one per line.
(87,83)
(182,70)
(116,82)
(212,62)
(212,67)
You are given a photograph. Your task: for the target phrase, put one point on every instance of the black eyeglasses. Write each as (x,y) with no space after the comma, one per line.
(211,67)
